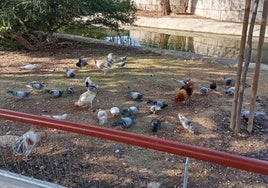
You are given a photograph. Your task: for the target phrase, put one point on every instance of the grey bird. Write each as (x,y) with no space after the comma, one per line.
(155,109)
(36,86)
(204,90)
(155,124)
(81,63)
(54,92)
(227,81)
(20,94)
(213,85)
(70,89)
(161,104)
(69,73)
(230,91)
(124,122)
(187,124)
(136,95)
(131,111)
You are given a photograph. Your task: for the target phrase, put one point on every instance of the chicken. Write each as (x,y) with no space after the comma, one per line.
(102,116)
(184,92)
(25,144)
(104,66)
(86,98)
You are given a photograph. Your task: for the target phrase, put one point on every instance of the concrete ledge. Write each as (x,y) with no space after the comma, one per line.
(195,24)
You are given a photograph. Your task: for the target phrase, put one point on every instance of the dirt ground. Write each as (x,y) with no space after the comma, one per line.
(78,161)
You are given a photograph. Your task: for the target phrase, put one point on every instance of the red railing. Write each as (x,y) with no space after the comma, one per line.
(218,157)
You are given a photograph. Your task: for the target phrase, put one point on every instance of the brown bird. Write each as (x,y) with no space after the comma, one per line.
(184,92)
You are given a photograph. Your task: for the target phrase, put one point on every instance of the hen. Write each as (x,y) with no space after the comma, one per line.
(184,92)
(104,66)
(26,143)
(86,98)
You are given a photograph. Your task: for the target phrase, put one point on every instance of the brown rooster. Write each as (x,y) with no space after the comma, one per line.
(184,92)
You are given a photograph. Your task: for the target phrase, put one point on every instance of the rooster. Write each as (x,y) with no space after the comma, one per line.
(86,98)
(104,66)
(184,92)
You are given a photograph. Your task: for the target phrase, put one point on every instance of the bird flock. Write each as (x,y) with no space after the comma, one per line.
(128,115)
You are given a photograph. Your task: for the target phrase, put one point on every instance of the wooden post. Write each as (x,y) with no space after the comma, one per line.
(233,125)
(254,86)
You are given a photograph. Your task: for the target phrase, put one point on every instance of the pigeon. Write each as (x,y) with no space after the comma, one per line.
(20,94)
(245,114)
(213,85)
(70,89)
(59,117)
(161,104)
(155,123)
(230,91)
(131,111)
(28,67)
(81,63)
(155,108)
(124,122)
(187,124)
(204,90)
(120,64)
(69,73)
(136,95)
(227,81)
(36,86)
(54,92)
(102,116)
(115,111)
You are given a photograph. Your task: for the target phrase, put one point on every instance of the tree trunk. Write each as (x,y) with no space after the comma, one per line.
(23,41)
(165,7)
(247,61)
(233,125)
(254,86)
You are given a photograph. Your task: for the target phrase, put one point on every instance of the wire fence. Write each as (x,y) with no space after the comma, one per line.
(72,155)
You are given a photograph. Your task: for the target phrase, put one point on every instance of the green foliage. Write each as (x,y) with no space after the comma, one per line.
(22,17)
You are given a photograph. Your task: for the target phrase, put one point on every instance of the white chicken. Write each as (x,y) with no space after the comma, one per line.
(102,116)
(104,66)
(86,98)
(24,145)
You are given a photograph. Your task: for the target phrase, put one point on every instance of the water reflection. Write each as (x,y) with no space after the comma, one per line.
(204,44)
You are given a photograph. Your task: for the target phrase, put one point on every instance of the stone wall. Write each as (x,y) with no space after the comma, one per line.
(225,10)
